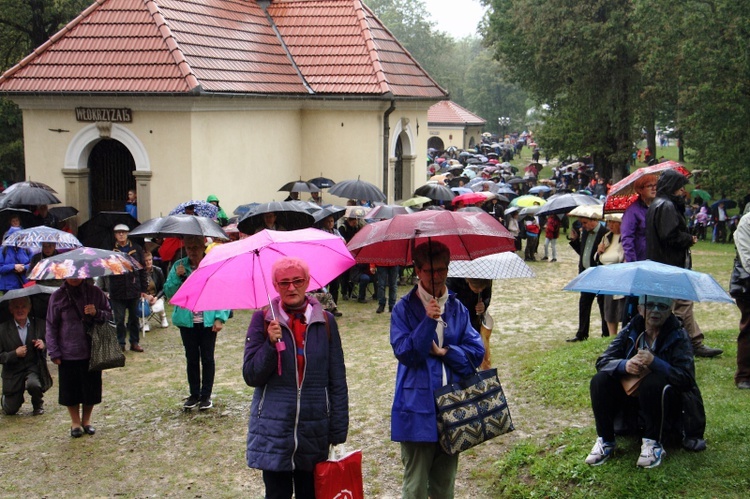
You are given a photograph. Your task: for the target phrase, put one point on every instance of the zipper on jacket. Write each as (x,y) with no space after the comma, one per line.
(299,389)
(262,399)
(328,404)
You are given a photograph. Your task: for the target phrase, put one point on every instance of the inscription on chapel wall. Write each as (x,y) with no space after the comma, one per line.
(114,115)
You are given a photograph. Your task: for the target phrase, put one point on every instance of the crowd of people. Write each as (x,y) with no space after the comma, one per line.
(645,380)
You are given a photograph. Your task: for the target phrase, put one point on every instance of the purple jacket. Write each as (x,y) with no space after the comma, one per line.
(633,232)
(66,332)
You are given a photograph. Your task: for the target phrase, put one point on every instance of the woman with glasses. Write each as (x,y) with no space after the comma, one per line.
(294,359)
(652,353)
(633,232)
(435,344)
(198,329)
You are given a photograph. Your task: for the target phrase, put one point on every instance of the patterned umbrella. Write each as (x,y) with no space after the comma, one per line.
(34,237)
(202,208)
(497,266)
(622,194)
(82,263)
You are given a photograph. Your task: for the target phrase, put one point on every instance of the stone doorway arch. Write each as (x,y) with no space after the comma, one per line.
(77,173)
(401,163)
(436,143)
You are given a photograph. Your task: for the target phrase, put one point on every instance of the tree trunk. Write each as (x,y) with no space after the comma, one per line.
(651,135)
(680,147)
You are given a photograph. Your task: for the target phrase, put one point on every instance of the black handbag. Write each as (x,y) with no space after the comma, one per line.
(106,352)
(471,411)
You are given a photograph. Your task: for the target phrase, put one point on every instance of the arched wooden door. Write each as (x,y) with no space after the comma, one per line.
(111,168)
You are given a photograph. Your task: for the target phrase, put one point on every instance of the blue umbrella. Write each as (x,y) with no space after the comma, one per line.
(651,279)
(539,189)
(202,208)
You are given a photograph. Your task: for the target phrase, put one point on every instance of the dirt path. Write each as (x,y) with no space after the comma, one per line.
(147,446)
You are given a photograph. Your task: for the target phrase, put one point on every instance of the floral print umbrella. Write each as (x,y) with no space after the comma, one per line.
(82,263)
(202,208)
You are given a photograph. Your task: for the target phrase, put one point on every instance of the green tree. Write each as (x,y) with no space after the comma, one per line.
(488,94)
(578,58)
(24,26)
(714,91)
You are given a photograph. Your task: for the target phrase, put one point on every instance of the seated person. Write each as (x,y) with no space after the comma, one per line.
(360,274)
(23,356)
(655,347)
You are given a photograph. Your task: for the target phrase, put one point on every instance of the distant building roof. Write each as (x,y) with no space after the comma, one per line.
(449,113)
(297,47)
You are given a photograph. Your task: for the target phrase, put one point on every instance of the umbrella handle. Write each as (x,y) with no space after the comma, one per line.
(268,295)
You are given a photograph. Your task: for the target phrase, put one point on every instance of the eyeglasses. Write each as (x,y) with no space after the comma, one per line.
(659,307)
(297,283)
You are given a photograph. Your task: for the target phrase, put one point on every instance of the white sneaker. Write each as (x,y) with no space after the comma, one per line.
(164,322)
(600,452)
(146,328)
(651,454)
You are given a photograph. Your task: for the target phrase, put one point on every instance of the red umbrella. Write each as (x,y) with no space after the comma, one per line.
(470,198)
(468,235)
(622,194)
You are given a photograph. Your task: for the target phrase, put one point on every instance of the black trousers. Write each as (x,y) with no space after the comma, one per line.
(584,314)
(281,484)
(608,399)
(199,342)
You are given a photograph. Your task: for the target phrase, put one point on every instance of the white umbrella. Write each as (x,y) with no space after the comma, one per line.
(496,266)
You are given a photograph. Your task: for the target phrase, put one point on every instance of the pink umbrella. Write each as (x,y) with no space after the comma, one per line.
(468,235)
(237,275)
(470,198)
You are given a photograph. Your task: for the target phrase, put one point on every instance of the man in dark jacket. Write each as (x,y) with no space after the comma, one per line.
(654,348)
(23,355)
(668,241)
(586,245)
(126,290)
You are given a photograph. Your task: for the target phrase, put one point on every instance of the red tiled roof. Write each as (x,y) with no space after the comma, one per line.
(226,46)
(449,113)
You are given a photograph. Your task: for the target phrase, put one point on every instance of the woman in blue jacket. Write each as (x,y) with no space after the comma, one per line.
(294,359)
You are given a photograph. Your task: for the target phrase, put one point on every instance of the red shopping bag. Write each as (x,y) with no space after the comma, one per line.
(340,477)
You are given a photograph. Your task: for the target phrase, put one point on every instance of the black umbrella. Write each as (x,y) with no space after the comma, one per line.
(97,232)
(357,189)
(728,204)
(299,186)
(436,192)
(329,211)
(244,208)
(288,215)
(180,225)
(63,212)
(306,205)
(27,218)
(322,182)
(29,183)
(39,296)
(457,181)
(386,211)
(27,196)
(564,203)
(516,180)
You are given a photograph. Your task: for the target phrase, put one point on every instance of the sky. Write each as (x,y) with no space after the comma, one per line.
(458,18)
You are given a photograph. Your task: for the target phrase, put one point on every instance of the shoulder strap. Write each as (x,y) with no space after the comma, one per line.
(328,324)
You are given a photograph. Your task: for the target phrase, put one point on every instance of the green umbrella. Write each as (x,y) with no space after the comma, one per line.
(702,194)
